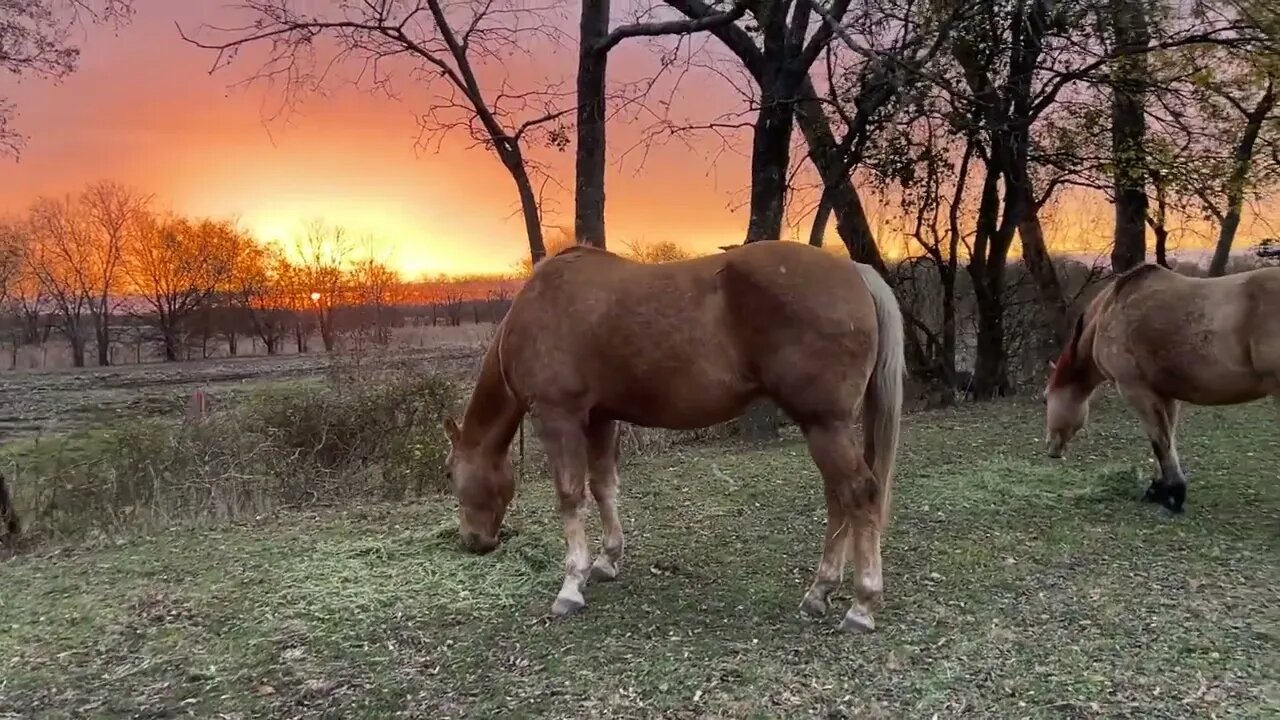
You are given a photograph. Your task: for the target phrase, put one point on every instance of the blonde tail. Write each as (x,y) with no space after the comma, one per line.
(882,413)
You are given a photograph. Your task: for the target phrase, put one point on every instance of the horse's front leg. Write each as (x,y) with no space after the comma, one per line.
(565,443)
(1160,420)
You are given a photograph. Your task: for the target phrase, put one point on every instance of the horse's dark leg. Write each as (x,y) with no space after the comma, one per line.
(1160,420)
(1171,476)
(565,443)
(853,524)
(602,474)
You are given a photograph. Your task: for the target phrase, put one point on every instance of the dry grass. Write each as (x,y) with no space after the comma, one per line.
(359,433)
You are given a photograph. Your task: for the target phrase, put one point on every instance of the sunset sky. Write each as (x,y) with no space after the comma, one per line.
(144,109)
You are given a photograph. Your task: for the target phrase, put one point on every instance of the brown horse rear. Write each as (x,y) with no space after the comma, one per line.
(1165,338)
(594,339)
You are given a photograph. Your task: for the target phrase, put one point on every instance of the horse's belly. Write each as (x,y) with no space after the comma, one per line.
(685,400)
(1221,387)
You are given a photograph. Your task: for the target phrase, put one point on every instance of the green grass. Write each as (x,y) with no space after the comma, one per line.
(1016,586)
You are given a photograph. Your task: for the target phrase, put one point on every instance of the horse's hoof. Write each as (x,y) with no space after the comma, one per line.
(564,607)
(1155,493)
(813,606)
(602,571)
(857,621)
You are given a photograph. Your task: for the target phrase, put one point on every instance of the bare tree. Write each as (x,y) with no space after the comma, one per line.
(256,287)
(13,253)
(177,264)
(60,259)
(324,252)
(377,289)
(453,44)
(37,40)
(113,214)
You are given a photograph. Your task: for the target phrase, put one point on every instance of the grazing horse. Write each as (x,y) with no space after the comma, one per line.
(594,339)
(1165,338)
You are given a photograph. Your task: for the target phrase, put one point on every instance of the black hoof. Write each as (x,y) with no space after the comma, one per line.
(1168,495)
(1156,492)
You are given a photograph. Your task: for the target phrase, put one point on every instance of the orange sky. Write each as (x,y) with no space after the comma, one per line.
(143,109)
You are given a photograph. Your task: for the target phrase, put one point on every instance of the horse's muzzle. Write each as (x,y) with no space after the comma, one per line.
(474,542)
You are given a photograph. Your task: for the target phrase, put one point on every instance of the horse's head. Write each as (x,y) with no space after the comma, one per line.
(1072,380)
(483,483)
(1066,411)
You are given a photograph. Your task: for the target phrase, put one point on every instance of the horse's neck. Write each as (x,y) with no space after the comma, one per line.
(1090,373)
(493,415)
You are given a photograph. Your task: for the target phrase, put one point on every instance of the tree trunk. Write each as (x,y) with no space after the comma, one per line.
(770,156)
(1128,133)
(77,348)
(170,345)
(986,271)
(1040,265)
(1162,245)
(948,280)
(589,194)
(851,218)
(514,162)
(1238,180)
(103,332)
(821,216)
(991,376)
(1157,220)
(327,335)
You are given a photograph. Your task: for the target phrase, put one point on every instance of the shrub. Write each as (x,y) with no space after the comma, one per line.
(353,437)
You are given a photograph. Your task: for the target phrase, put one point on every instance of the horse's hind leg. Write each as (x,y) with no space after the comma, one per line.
(566,446)
(1160,420)
(602,473)
(853,523)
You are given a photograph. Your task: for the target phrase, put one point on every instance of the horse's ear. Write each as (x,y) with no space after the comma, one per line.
(452,431)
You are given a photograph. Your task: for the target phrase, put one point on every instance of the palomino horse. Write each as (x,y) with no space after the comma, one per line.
(594,339)
(1165,338)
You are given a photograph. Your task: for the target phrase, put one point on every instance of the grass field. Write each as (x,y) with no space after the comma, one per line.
(1016,586)
(56,402)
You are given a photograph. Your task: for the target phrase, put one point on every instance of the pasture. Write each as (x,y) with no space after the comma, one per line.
(58,401)
(1016,586)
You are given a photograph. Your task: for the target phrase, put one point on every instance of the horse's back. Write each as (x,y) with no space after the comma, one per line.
(1203,340)
(676,343)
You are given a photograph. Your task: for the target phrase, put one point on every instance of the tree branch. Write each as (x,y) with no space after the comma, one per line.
(688,26)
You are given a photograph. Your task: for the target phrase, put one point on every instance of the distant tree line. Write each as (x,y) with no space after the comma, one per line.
(103,267)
